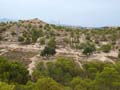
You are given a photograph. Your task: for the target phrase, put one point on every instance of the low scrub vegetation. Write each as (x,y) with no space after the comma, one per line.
(64,74)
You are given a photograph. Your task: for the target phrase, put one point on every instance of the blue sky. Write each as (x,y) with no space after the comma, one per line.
(90,13)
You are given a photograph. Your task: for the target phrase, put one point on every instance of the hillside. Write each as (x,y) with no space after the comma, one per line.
(33,35)
(35,55)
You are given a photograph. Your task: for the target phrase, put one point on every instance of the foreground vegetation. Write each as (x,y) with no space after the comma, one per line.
(64,74)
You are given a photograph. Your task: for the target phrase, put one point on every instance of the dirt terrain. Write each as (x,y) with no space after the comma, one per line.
(76,55)
(25,39)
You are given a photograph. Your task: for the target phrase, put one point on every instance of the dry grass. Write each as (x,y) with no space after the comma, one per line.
(23,57)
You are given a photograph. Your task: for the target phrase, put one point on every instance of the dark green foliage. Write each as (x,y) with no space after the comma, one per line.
(35,34)
(62,71)
(39,72)
(94,76)
(48,51)
(92,68)
(12,72)
(47,84)
(89,49)
(28,86)
(53,75)
(5,86)
(108,79)
(80,84)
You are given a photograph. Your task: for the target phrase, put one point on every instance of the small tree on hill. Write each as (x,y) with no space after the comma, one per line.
(89,49)
(48,51)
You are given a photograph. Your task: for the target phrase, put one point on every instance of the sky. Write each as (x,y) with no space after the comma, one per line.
(86,13)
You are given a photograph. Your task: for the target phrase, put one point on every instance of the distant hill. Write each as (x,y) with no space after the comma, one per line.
(34,21)
(6,20)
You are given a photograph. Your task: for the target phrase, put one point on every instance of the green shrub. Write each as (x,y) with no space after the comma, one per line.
(5,86)
(47,84)
(48,51)
(13,72)
(89,49)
